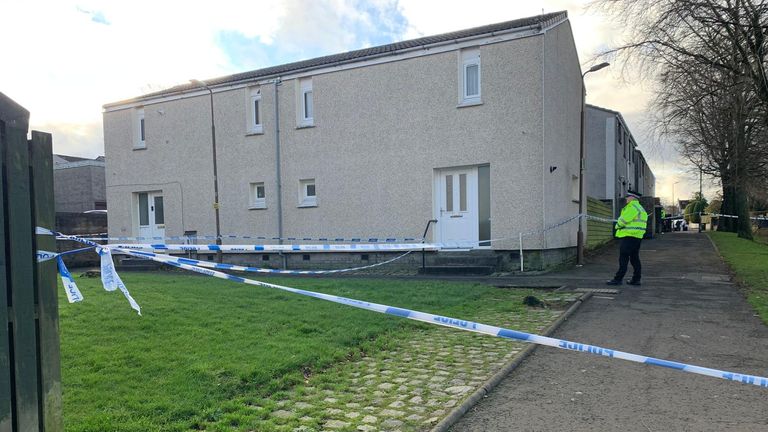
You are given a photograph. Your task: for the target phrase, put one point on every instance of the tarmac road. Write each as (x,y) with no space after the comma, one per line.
(686,310)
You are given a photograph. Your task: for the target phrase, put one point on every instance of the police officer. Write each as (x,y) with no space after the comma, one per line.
(630,229)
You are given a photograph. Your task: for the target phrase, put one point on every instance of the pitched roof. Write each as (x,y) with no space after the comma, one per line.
(65,159)
(538,21)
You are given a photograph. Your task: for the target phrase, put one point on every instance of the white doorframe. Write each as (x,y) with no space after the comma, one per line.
(455,205)
(150,214)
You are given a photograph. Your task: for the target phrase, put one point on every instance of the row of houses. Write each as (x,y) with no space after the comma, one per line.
(614,165)
(478,129)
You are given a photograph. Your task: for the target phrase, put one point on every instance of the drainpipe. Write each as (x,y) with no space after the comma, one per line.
(279,82)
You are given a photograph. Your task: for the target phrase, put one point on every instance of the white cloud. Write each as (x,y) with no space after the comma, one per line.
(74,56)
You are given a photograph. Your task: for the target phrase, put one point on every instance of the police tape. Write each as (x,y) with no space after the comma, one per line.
(352,247)
(248,237)
(110,280)
(70,287)
(43,256)
(600,219)
(757,218)
(384,240)
(550,227)
(476,327)
(231,267)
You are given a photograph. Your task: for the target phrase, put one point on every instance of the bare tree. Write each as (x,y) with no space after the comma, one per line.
(708,57)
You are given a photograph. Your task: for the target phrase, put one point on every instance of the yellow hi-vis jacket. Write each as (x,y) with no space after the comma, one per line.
(632,221)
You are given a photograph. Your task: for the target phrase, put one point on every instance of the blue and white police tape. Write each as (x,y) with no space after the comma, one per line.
(354,247)
(111,280)
(109,277)
(43,256)
(208,264)
(248,237)
(757,218)
(73,293)
(478,327)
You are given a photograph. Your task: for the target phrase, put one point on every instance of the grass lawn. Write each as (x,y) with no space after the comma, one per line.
(202,342)
(749,260)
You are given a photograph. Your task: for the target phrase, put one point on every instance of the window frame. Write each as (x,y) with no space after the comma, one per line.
(305,117)
(306,200)
(468,58)
(465,95)
(255,115)
(256,203)
(140,142)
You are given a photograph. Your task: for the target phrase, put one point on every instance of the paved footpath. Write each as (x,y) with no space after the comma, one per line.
(687,310)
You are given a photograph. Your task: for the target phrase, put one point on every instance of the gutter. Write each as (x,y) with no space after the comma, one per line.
(278,82)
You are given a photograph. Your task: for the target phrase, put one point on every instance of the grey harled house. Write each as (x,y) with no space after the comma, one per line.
(478,129)
(614,164)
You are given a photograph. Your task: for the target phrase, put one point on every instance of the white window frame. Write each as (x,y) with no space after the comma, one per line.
(469,57)
(255,201)
(306,200)
(141,125)
(255,122)
(304,118)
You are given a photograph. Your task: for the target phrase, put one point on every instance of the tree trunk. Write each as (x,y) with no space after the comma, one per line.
(744,224)
(728,207)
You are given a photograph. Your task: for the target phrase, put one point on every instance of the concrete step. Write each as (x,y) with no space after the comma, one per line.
(457,270)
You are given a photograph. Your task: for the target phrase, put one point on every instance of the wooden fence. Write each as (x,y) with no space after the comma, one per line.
(30,373)
(598,233)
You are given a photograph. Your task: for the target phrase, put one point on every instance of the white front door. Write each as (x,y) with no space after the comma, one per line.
(151,214)
(457,212)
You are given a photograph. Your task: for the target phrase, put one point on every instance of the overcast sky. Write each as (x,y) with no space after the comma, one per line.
(74,56)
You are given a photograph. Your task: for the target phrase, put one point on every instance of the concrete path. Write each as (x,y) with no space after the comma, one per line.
(687,310)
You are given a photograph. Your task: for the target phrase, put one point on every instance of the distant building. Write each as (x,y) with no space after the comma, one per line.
(79,184)
(614,165)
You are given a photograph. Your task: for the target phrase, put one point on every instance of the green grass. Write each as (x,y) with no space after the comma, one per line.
(203,343)
(749,260)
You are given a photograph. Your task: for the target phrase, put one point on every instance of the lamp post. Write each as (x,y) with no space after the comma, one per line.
(674,206)
(215,170)
(582,208)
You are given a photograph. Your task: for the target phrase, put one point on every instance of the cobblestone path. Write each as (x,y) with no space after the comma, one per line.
(409,387)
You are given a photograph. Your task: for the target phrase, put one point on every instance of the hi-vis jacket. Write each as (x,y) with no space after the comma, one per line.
(632,221)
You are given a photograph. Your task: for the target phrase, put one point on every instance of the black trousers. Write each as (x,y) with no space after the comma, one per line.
(629,251)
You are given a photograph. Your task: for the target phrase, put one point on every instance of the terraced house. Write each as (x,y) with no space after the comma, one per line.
(614,163)
(478,129)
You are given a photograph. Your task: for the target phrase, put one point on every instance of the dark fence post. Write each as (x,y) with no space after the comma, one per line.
(21,258)
(30,383)
(41,168)
(9,113)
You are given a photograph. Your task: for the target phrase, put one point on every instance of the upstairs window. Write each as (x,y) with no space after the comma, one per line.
(307,193)
(254,111)
(258,196)
(469,76)
(141,132)
(306,103)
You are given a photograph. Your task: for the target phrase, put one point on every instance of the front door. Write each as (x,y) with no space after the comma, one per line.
(457,212)
(151,214)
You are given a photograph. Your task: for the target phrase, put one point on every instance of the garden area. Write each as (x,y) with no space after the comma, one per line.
(210,354)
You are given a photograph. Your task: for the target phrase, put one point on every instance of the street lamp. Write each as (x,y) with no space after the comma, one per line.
(580,235)
(215,170)
(674,206)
